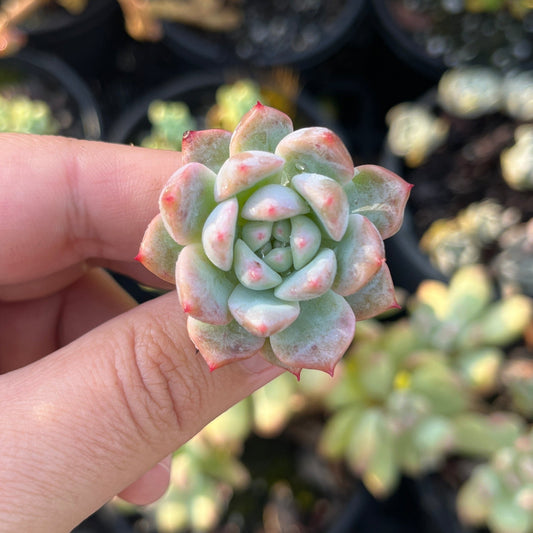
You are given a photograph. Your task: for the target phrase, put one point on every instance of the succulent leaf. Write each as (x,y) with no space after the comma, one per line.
(209,147)
(360,254)
(268,353)
(158,251)
(260,312)
(272,203)
(319,336)
(305,240)
(218,234)
(380,195)
(256,233)
(317,151)
(311,281)
(262,128)
(503,323)
(222,344)
(374,298)
(244,170)
(281,231)
(186,201)
(203,289)
(279,259)
(252,271)
(327,200)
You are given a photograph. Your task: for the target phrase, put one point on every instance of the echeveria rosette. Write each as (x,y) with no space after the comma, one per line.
(275,241)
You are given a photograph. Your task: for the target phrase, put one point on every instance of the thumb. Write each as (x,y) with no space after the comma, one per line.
(80,425)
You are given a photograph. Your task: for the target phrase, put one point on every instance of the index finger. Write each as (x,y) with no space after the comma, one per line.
(65,200)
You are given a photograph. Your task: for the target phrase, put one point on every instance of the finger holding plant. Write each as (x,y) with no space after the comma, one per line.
(275,241)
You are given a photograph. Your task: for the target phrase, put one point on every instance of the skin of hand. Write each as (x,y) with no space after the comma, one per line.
(95,391)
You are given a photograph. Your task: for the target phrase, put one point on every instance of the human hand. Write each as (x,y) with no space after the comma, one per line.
(95,391)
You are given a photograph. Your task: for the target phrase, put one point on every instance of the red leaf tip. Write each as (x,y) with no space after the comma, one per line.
(188,135)
(168,198)
(297,373)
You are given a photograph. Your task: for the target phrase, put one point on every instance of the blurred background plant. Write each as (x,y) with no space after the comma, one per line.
(419,389)
(476,125)
(499,493)
(23,115)
(170,119)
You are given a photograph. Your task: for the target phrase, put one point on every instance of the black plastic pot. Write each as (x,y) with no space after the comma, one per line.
(400,40)
(424,505)
(83,40)
(432,39)
(198,90)
(105,520)
(278,32)
(41,76)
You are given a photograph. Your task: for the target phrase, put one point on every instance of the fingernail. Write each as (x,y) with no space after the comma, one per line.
(166,462)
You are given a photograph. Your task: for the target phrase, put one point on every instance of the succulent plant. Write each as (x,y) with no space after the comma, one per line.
(203,478)
(400,408)
(518,94)
(415,132)
(275,241)
(517,160)
(517,378)
(513,266)
(232,102)
(499,493)
(412,391)
(455,242)
(169,120)
(24,115)
(467,322)
(470,91)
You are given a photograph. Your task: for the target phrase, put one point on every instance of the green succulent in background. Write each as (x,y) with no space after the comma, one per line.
(517,379)
(517,160)
(414,132)
(232,102)
(455,242)
(169,121)
(499,493)
(24,115)
(204,476)
(413,391)
(517,94)
(468,92)
(513,266)
(471,91)
(465,320)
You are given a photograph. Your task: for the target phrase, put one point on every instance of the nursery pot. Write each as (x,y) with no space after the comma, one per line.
(81,39)
(42,76)
(424,505)
(198,90)
(278,32)
(432,38)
